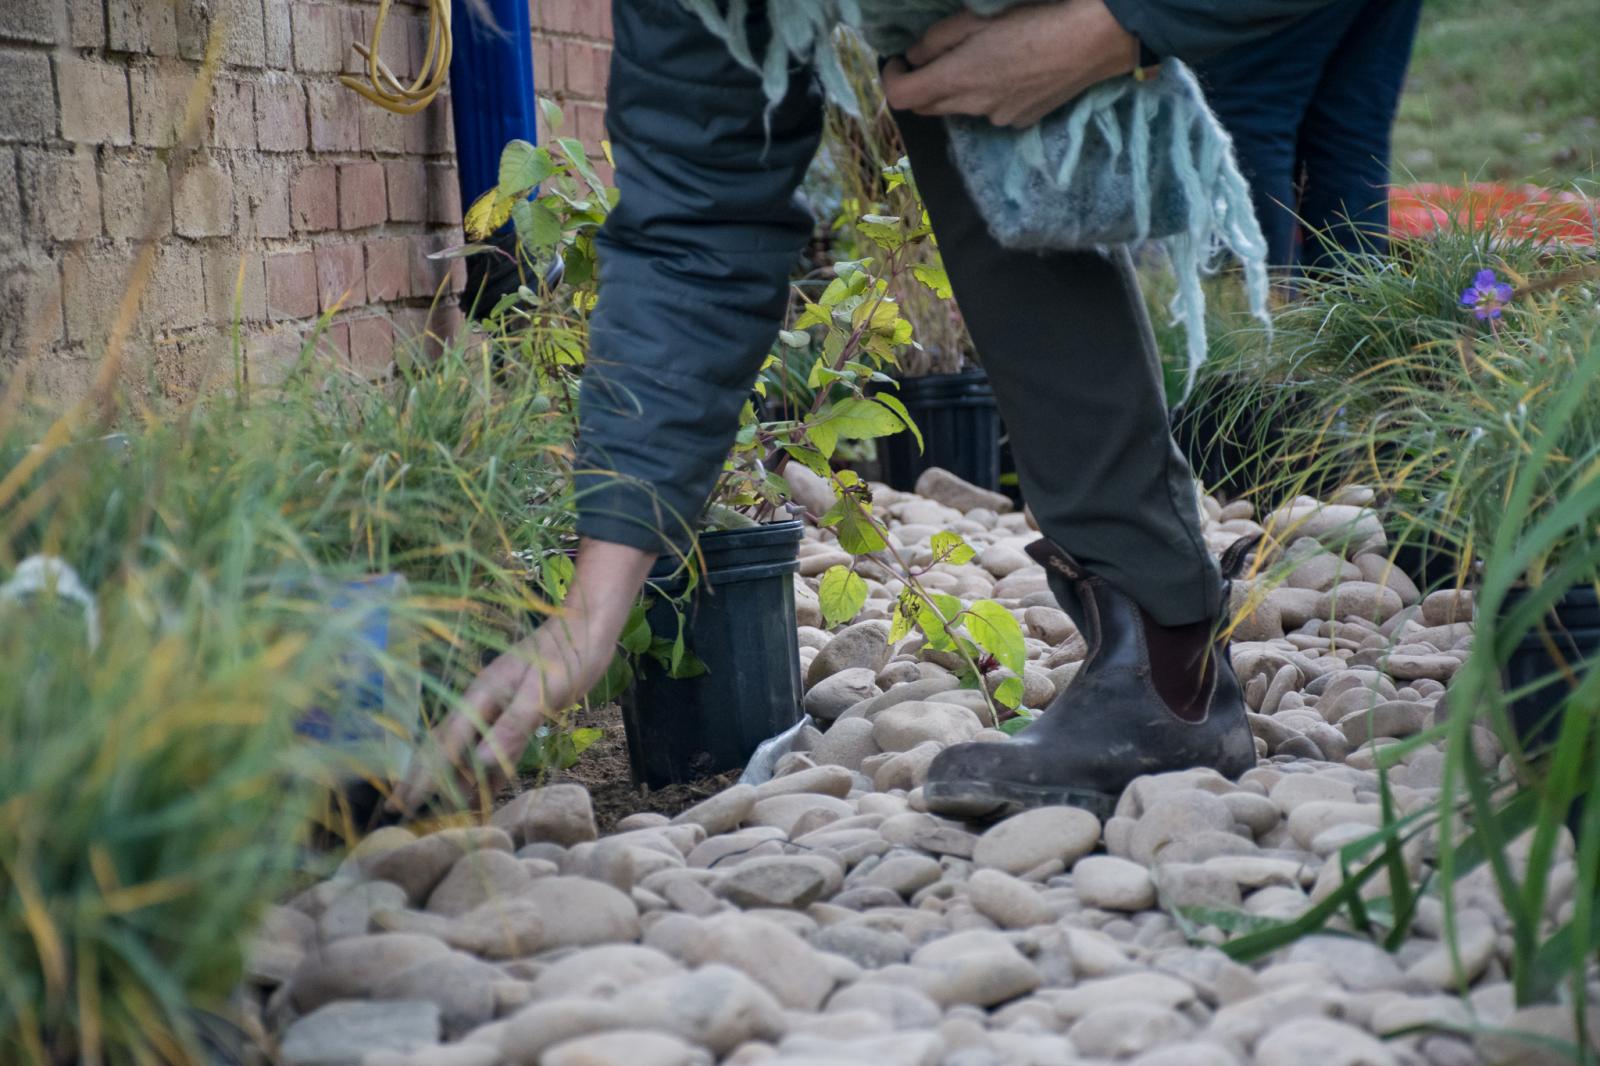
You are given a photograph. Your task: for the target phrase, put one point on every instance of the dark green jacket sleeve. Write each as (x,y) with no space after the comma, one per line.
(1196,29)
(694,268)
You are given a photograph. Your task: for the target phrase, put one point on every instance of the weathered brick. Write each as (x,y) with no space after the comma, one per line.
(362,202)
(382,131)
(93,284)
(371,346)
(244,26)
(147,26)
(589,126)
(202,199)
(159,95)
(231,121)
(320,38)
(335,118)
(27,106)
(444,195)
(24,21)
(340,276)
(271,355)
(279,33)
(388,269)
(357,30)
(408,190)
(429,131)
(30,308)
(314,198)
(291,285)
(236,285)
(176,298)
(193,364)
(10,202)
(427,275)
(86,22)
(281,114)
(544,60)
(333,342)
(586,66)
(60,196)
(137,197)
(261,197)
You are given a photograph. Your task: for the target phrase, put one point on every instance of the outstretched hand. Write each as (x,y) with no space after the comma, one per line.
(543,675)
(1013,68)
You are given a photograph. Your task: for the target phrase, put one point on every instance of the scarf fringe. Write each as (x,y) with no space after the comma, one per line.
(1069,182)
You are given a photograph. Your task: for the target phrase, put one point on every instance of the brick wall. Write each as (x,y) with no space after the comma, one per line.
(571,63)
(284,184)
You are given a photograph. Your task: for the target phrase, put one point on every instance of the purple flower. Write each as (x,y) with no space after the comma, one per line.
(1488,295)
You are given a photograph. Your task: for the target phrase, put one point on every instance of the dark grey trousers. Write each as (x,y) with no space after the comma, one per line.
(694,265)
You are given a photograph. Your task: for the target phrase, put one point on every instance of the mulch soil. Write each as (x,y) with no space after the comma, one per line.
(603,770)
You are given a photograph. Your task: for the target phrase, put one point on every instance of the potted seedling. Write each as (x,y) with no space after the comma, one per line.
(864,170)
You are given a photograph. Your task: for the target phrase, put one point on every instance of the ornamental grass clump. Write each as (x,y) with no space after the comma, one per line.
(181,594)
(1461,383)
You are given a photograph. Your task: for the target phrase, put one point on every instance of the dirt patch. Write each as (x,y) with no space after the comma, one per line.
(603,770)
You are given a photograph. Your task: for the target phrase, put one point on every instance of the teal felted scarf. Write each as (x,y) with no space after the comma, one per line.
(1126,163)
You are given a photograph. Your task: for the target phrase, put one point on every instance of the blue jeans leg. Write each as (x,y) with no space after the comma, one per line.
(1345,137)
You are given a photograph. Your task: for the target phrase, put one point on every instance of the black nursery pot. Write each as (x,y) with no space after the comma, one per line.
(1572,631)
(740,621)
(1232,452)
(960,426)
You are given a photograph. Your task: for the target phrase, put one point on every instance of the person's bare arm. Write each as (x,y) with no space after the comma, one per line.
(538,678)
(1013,68)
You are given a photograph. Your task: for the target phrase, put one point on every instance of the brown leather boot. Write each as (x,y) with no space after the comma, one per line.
(1148,699)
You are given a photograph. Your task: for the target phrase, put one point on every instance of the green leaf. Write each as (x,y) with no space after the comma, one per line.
(856,531)
(613,683)
(904,616)
(552,114)
(948,547)
(810,459)
(842,593)
(1009,692)
(794,338)
(994,629)
(882,230)
(522,167)
(1012,726)
(823,437)
(683,663)
(635,639)
(538,228)
(858,418)
(929,621)
(894,404)
(555,574)
(935,278)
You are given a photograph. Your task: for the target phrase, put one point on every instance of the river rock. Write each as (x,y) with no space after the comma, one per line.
(1027,840)
(846,743)
(839,692)
(905,725)
(1008,902)
(1113,884)
(1322,1041)
(624,1047)
(582,912)
(941,485)
(557,814)
(342,1034)
(860,646)
(721,812)
(715,1006)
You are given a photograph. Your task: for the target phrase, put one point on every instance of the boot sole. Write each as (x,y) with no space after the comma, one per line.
(993,800)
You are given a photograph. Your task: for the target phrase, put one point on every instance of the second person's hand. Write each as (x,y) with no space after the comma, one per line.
(1013,68)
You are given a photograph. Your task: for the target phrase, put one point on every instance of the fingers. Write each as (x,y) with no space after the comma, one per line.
(503,745)
(943,36)
(925,91)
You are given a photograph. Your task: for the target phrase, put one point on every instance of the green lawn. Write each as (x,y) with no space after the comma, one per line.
(1507,90)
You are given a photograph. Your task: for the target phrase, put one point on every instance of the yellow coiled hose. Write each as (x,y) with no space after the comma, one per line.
(383,88)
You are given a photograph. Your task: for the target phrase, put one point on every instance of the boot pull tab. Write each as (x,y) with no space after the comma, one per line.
(1052,556)
(1232,562)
